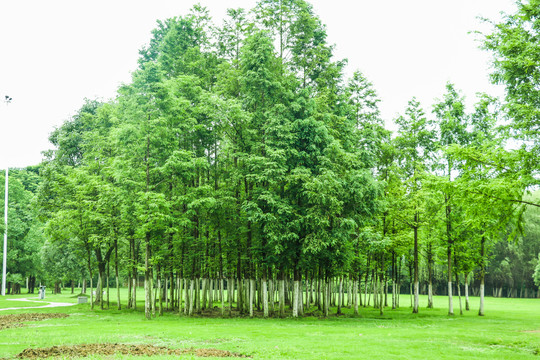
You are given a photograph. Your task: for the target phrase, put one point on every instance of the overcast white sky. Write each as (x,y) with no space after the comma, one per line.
(55,53)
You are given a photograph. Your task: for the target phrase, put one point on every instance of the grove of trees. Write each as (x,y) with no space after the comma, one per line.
(241,170)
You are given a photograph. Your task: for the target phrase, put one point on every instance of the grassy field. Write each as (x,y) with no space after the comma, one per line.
(510,330)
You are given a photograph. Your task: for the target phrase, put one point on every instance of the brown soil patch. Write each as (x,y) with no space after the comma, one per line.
(83,350)
(531,331)
(16,320)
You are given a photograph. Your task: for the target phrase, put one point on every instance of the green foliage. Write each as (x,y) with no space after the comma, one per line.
(25,230)
(241,152)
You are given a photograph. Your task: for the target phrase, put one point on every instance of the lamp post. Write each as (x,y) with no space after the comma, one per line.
(7,100)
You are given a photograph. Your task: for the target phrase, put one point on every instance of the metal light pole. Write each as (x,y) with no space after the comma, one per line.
(7,100)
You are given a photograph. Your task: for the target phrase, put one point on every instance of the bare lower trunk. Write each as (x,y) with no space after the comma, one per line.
(416,297)
(482,277)
(230,294)
(204,292)
(264,298)
(198,295)
(366,301)
(467,292)
(416,276)
(411,293)
(355,296)
(459,294)
(147,296)
(381,295)
(450,302)
(240,297)
(251,296)
(180,293)
(91,293)
(300,299)
(134,297)
(119,307)
(191,297)
(221,296)
(326,298)
(296,288)
(166,292)
(340,295)
(154,298)
(210,294)
(394,295)
(271,296)
(160,297)
(187,294)
(481,309)
(430,296)
(147,283)
(281,297)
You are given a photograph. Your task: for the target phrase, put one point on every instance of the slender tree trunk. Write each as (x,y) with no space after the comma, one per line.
(430,276)
(450,302)
(449,249)
(187,296)
(385,291)
(99,295)
(482,275)
(416,281)
(179,293)
(326,301)
(210,290)
(459,294)
(230,293)
(221,295)
(467,292)
(271,296)
(308,292)
(198,294)
(366,300)
(340,295)
(147,285)
(355,296)
(381,294)
(251,296)
(160,293)
(282,295)
(154,298)
(264,297)
(295,299)
(108,289)
(191,297)
(240,302)
(204,293)
(166,291)
(119,305)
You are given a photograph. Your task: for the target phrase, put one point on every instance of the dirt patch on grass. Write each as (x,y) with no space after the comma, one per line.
(531,331)
(17,320)
(83,350)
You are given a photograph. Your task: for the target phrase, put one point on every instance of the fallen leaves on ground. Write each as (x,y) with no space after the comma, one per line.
(16,320)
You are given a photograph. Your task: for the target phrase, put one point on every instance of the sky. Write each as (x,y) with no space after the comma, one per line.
(56,53)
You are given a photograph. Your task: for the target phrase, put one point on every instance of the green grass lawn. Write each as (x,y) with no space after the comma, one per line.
(510,330)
